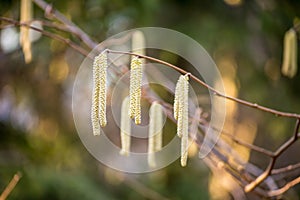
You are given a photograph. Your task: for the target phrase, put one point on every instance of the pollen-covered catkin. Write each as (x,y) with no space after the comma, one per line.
(176,99)
(135,89)
(95,97)
(181,113)
(125,128)
(155,132)
(179,103)
(289,66)
(98,110)
(102,92)
(185,123)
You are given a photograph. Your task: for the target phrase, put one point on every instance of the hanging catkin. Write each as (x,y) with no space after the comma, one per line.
(179,103)
(185,122)
(289,66)
(103,76)
(26,16)
(98,111)
(181,114)
(125,128)
(155,132)
(135,89)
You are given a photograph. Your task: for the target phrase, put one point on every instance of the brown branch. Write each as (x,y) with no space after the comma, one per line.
(240,101)
(280,150)
(48,34)
(273,156)
(285,169)
(282,190)
(51,12)
(247,145)
(11,185)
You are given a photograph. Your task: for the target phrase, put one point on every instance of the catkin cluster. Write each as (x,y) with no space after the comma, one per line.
(135,89)
(98,113)
(181,114)
(131,108)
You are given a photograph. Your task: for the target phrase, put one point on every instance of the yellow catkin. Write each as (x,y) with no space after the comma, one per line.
(26,16)
(181,108)
(95,97)
(289,66)
(102,91)
(125,128)
(135,89)
(176,99)
(155,132)
(179,103)
(98,110)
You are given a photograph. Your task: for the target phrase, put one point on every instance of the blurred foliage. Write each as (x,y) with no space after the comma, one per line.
(37,134)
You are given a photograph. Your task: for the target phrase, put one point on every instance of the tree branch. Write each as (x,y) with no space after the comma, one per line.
(48,34)
(278,152)
(11,185)
(240,101)
(51,12)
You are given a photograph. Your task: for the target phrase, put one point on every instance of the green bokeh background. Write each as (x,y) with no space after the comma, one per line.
(37,133)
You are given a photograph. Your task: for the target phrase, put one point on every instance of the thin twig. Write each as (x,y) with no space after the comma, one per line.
(51,12)
(285,169)
(285,188)
(240,101)
(11,185)
(247,145)
(48,34)
(280,150)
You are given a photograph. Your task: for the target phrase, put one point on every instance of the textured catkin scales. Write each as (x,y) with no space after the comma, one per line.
(26,16)
(185,123)
(103,76)
(125,128)
(179,104)
(176,100)
(95,97)
(181,114)
(289,66)
(98,110)
(155,132)
(135,89)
